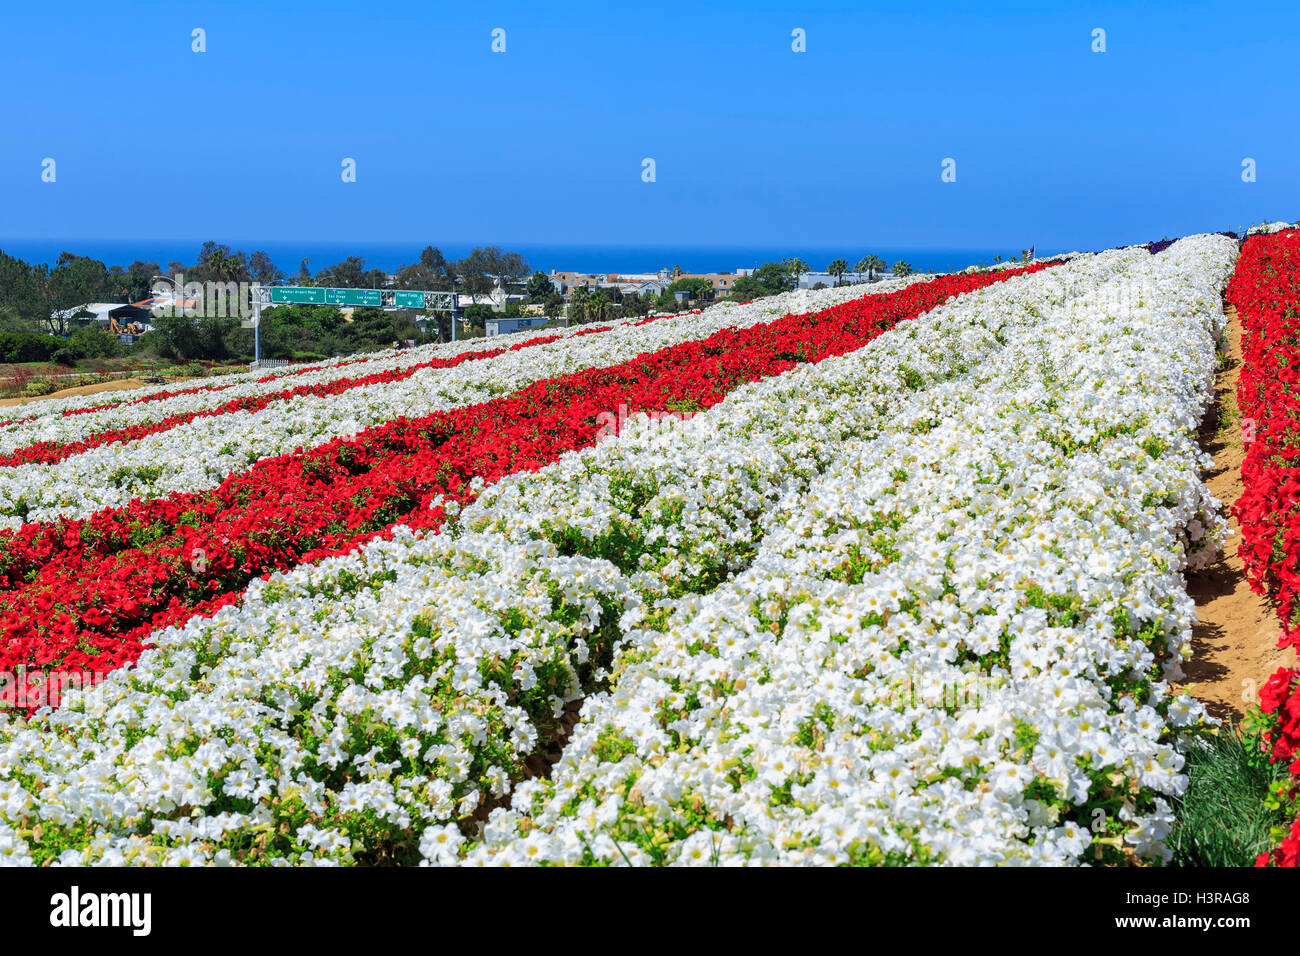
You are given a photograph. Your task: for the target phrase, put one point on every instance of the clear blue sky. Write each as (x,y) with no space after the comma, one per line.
(753,143)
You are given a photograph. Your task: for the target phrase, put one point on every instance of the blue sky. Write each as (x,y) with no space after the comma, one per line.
(753,143)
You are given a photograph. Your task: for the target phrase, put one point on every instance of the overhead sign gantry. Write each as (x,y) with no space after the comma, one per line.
(265,296)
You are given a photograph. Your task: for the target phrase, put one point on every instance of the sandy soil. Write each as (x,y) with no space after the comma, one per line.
(116,385)
(1234,647)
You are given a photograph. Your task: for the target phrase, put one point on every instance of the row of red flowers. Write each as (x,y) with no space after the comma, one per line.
(192,390)
(84,594)
(46,453)
(274,377)
(1265,289)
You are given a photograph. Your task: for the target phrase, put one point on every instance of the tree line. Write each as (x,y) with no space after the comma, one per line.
(38,302)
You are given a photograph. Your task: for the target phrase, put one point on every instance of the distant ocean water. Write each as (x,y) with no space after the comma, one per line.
(288,254)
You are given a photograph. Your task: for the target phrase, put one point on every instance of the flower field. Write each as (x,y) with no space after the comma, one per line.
(823,578)
(1266,293)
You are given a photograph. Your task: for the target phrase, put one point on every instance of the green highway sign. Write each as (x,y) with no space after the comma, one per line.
(370,297)
(297,295)
(373,298)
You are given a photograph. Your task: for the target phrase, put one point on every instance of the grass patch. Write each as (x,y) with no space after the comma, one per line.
(1229,415)
(1227,815)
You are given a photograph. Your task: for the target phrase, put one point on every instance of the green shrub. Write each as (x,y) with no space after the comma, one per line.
(95,343)
(42,386)
(18,347)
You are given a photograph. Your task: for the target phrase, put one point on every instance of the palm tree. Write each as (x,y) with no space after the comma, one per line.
(578,304)
(865,264)
(215,264)
(837,269)
(901,268)
(598,305)
(796,267)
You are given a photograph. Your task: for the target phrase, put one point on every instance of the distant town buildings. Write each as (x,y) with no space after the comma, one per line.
(641,283)
(137,317)
(625,283)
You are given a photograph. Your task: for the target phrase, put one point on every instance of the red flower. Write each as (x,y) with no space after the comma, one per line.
(1265,289)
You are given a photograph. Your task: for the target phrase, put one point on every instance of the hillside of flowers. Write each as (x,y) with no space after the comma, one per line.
(824,578)
(1265,290)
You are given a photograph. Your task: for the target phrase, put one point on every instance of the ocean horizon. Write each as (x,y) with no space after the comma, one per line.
(589,258)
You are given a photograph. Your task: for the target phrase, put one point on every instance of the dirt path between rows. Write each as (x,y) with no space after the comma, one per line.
(1234,645)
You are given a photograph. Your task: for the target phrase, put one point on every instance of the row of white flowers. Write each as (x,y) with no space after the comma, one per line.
(954,649)
(200,454)
(1267,228)
(359,708)
(124,409)
(46,421)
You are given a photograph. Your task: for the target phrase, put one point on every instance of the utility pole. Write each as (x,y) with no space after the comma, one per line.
(259,296)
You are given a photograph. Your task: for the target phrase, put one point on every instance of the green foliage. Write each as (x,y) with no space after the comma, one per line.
(41,386)
(21,294)
(539,287)
(476,317)
(87,342)
(351,273)
(634,304)
(479,270)
(218,263)
(433,273)
(11,321)
(598,306)
(578,301)
(18,347)
(176,336)
(77,280)
(775,279)
(1227,814)
(372,329)
(288,332)
(698,288)
(38,298)
(771,278)
(747,288)
(92,342)
(611,746)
